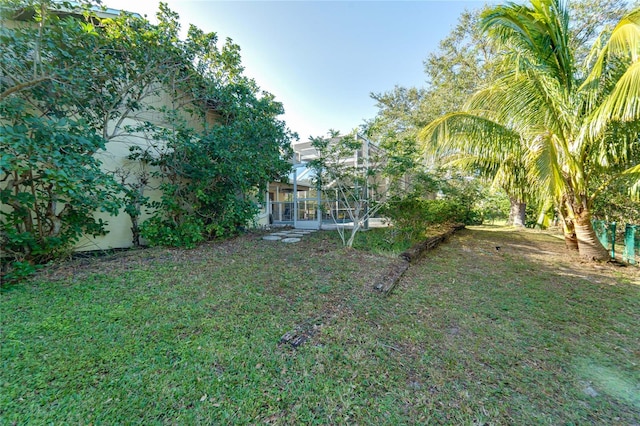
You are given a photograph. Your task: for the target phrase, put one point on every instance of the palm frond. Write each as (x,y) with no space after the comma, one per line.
(633,171)
(624,42)
(618,147)
(631,174)
(545,164)
(526,104)
(625,38)
(622,104)
(536,35)
(467,132)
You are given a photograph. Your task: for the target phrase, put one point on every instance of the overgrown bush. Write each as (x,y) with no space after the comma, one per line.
(411,215)
(165,232)
(50,182)
(69,87)
(226,147)
(384,241)
(51,187)
(208,176)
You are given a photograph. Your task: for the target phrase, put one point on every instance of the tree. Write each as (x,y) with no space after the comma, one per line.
(63,64)
(51,182)
(351,173)
(72,83)
(464,61)
(568,127)
(15,78)
(589,20)
(396,125)
(211,171)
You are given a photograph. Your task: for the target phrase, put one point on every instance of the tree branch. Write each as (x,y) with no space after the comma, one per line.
(22,86)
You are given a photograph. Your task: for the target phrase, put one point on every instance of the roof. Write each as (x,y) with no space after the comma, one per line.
(305,151)
(28,13)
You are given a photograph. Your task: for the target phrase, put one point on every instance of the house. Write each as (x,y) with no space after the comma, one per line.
(300,204)
(124,129)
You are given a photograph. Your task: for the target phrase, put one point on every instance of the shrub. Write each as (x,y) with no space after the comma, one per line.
(411,215)
(165,232)
(52,187)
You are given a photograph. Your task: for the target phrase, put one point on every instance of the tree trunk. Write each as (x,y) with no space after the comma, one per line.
(568,227)
(135,230)
(517,213)
(588,244)
(570,238)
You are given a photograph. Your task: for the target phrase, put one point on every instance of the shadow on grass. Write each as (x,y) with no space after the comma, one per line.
(512,313)
(473,335)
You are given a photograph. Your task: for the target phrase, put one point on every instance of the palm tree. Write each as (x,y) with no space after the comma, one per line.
(501,163)
(568,125)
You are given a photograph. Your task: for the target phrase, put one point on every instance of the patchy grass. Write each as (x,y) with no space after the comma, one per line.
(523,334)
(389,241)
(382,241)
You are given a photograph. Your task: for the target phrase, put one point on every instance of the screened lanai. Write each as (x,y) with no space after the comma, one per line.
(298,203)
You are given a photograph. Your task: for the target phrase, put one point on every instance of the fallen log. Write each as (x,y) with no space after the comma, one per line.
(392,274)
(416,251)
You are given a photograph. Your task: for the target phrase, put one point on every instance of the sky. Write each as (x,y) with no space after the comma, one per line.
(322,59)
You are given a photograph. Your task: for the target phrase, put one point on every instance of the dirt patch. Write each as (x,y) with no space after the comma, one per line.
(547,248)
(82,264)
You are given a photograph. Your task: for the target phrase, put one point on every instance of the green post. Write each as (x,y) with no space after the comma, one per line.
(629,252)
(612,228)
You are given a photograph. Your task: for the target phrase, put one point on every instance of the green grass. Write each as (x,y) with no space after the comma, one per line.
(471,335)
(383,241)
(391,242)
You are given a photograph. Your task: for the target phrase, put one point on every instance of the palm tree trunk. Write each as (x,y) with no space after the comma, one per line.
(588,244)
(568,225)
(570,238)
(517,213)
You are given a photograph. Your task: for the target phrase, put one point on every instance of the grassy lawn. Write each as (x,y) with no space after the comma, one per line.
(524,334)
